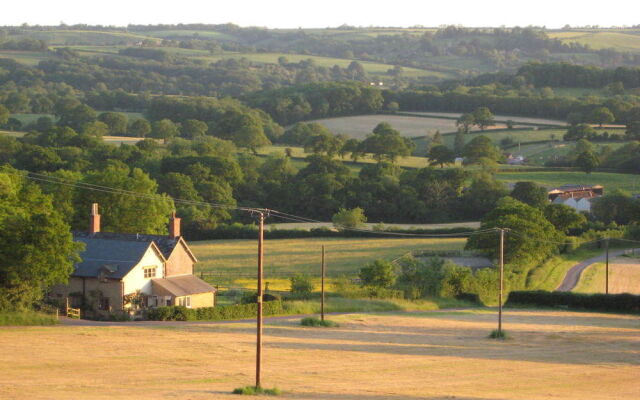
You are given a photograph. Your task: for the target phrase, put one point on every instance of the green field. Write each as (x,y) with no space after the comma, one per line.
(373,68)
(298,155)
(622,40)
(610,181)
(362,125)
(287,257)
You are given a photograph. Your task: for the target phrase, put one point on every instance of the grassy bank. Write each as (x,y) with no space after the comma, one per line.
(24,318)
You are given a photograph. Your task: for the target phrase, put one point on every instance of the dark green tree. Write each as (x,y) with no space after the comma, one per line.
(587,161)
(563,217)
(531,239)
(483,117)
(140,128)
(440,155)
(120,212)
(481,147)
(530,193)
(37,248)
(117,122)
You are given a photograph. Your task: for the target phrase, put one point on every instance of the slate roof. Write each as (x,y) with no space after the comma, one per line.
(111,258)
(166,244)
(184,285)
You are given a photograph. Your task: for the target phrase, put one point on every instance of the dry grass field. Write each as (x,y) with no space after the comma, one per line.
(423,355)
(624,277)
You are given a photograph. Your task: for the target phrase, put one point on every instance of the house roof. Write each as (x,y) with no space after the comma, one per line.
(110,258)
(166,244)
(184,285)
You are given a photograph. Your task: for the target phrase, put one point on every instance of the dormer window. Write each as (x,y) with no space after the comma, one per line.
(150,272)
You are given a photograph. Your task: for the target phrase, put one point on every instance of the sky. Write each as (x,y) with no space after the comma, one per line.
(325,13)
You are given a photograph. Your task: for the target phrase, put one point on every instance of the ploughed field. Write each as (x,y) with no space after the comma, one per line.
(423,355)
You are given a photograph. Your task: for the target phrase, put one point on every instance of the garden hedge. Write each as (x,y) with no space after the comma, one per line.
(600,302)
(239,311)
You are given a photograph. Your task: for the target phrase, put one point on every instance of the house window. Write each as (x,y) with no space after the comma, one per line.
(150,272)
(104,303)
(185,301)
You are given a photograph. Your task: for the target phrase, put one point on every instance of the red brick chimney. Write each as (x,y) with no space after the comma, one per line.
(174,226)
(94,222)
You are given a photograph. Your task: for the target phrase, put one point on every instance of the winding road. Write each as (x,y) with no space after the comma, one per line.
(573,275)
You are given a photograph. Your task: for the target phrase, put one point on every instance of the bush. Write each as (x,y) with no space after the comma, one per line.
(347,289)
(301,286)
(496,334)
(600,302)
(313,321)
(252,297)
(380,273)
(253,391)
(239,311)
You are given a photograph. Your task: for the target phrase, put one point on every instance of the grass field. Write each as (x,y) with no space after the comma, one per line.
(499,118)
(624,277)
(362,125)
(234,260)
(398,356)
(619,40)
(298,154)
(610,181)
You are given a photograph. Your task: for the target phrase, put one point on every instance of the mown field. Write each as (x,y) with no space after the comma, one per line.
(610,181)
(622,40)
(421,355)
(234,261)
(362,125)
(624,277)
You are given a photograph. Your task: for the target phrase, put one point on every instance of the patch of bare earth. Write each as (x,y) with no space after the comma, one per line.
(561,355)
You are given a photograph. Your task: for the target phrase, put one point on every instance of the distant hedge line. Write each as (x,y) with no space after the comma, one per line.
(239,231)
(238,311)
(600,302)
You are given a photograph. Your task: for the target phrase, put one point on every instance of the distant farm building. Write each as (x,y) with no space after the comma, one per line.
(578,197)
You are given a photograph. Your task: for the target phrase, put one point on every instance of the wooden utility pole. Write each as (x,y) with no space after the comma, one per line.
(322,287)
(501,279)
(606,269)
(260,295)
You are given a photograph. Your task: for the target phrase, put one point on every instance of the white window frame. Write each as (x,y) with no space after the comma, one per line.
(150,272)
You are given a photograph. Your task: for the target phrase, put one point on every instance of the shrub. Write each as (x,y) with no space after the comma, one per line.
(601,302)
(313,321)
(301,285)
(238,311)
(379,273)
(257,390)
(252,297)
(349,219)
(496,334)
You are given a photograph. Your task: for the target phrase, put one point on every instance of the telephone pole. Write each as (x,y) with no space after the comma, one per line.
(501,280)
(606,269)
(260,295)
(322,287)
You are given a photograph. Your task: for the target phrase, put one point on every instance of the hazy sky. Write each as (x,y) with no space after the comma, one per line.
(324,13)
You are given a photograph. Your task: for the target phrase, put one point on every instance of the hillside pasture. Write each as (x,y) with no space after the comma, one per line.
(609,180)
(362,125)
(230,259)
(499,118)
(622,40)
(418,355)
